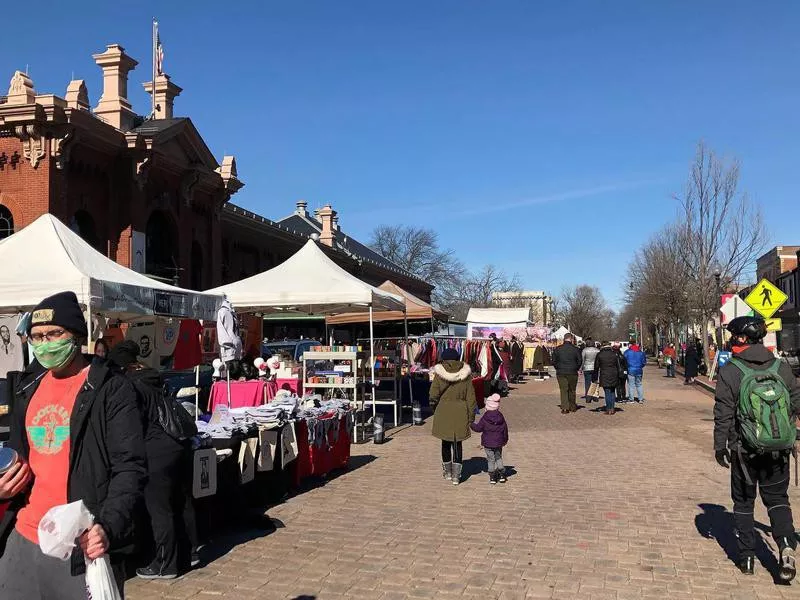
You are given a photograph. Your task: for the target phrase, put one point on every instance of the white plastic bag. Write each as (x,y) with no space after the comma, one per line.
(60,526)
(58,531)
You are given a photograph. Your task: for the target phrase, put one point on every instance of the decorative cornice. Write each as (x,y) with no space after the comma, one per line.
(33,143)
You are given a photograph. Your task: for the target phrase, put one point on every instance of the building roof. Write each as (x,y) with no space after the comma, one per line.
(307,225)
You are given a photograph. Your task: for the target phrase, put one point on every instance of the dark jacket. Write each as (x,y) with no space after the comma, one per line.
(567,359)
(691,362)
(726,397)
(493,429)
(453,395)
(606,365)
(107,458)
(149,386)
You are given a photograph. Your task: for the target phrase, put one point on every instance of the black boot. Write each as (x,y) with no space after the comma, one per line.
(788,569)
(747,565)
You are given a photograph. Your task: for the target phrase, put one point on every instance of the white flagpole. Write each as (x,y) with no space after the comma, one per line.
(153,90)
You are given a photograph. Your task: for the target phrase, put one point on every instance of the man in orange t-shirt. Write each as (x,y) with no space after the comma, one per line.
(78,433)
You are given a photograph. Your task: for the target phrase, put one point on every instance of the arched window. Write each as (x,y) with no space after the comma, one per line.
(196,282)
(161,245)
(82,223)
(6,222)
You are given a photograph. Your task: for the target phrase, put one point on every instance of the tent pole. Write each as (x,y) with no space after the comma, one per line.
(197,392)
(372,357)
(405,353)
(90,328)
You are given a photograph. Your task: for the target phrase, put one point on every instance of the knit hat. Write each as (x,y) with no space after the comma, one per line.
(492,402)
(61,310)
(124,354)
(450,354)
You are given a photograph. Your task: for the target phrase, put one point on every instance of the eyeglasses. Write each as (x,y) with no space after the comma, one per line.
(50,336)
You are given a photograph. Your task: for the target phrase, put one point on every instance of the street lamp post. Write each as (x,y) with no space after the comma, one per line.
(717,277)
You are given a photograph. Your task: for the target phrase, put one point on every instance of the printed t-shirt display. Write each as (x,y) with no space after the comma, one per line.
(188,352)
(47,423)
(11,350)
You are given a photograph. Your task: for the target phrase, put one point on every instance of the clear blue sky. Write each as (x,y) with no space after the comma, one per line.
(545,137)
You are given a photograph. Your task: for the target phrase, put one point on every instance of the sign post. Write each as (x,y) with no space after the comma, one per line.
(766,299)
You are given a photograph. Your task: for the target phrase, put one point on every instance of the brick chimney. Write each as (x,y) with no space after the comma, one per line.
(302,208)
(166,92)
(326,217)
(114,107)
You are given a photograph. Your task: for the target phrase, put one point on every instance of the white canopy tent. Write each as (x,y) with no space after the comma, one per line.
(497,318)
(47,257)
(309,282)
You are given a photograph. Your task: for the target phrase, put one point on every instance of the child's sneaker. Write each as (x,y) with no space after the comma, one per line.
(501,475)
(493,477)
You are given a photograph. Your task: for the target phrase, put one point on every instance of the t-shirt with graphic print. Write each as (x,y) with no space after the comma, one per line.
(47,424)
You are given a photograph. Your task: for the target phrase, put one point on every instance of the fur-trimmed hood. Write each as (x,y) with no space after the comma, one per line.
(452,371)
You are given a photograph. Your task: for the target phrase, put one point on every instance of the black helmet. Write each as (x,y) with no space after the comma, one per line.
(753,328)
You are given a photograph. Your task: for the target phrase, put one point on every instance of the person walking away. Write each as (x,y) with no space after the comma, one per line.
(636,359)
(567,361)
(165,458)
(691,363)
(589,354)
(77,431)
(622,366)
(670,358)
(756,403)
(453,397)
(608,374)
(494,436)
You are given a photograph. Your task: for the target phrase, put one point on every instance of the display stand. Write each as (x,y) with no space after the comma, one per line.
(342,376)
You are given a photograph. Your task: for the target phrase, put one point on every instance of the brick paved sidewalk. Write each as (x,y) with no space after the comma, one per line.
(600,507)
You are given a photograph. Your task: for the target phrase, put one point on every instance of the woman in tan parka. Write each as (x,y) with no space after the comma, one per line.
(453,397)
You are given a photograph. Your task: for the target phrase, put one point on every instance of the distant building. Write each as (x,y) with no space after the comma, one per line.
(538,301)
(775,262)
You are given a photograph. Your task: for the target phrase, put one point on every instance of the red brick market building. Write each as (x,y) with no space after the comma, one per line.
(148,192)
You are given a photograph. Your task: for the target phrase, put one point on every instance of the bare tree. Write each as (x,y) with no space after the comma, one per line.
(719,230)
(584,311)
(417,251)
(477,290)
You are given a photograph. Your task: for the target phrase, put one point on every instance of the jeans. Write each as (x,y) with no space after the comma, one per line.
(494,458)
(671,370)
(451,452)
(770,478)
(635,389)
(610,397)
(568,385)
(587,381)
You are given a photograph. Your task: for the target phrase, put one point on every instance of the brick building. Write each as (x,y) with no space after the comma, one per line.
(147,192)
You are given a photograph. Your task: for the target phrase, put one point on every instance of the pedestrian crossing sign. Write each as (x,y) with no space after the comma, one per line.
(766,299)
(774,324)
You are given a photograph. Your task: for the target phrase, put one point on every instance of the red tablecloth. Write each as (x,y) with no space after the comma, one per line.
(316,460)
(294,385)
(243,394)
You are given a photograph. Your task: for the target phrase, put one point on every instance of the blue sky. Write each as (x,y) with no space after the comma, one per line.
(545,137)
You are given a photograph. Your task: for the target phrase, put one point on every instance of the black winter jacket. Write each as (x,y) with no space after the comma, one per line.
(606,366)
(726,397)
(107,457)
(149,386)
(567,359)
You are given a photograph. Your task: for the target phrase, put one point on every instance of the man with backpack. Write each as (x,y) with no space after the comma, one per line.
(756,403)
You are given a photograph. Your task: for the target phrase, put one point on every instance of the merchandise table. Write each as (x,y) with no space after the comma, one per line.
(313,460)
(243,394)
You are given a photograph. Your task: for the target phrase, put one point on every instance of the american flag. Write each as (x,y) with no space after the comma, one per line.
(159,56)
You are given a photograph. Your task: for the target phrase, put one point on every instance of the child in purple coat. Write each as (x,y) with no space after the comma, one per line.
(494,435)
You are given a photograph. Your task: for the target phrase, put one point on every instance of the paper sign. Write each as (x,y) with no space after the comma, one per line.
(268,444)
(247,460)
(204,481)
(288,445)
(774,324)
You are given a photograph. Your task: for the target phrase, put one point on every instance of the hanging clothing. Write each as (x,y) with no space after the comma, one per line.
(144,334)
(166,336)
(12,356)
(188,351)
(228,332)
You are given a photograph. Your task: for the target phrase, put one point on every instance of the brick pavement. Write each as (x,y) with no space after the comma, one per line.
(599,507)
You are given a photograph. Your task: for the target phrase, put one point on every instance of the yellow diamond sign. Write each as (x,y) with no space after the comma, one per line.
(766,299)
(774,324)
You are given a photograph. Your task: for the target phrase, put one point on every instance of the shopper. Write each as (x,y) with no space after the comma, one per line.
(453,396)
(757,456)
(77,430)
(101,348)
(165,461)
(636,359)
(588,355)
(622,367)
(670,358)
(567,361)
(608,374)
(494,436)
(691,362)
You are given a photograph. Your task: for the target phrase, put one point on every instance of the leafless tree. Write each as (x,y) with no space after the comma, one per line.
(719,230)
(417,250)
(584,311)
(477,290)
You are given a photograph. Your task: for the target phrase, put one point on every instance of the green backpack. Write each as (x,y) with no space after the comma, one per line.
(765,409)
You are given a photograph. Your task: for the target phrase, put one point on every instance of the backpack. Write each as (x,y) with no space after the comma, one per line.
(764,409)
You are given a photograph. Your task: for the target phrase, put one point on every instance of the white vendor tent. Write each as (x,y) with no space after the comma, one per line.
(47,257)
(499,316)
(308,282)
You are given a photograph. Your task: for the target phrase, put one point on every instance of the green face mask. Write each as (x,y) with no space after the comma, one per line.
(54,355)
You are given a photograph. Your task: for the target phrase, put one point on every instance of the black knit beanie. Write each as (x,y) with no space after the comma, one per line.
(124,354)
(61,310)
